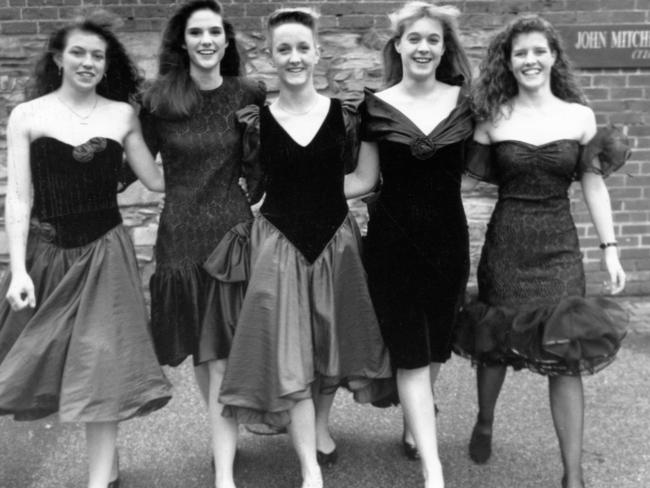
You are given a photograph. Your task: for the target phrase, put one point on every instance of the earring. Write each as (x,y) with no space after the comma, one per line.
(60,71)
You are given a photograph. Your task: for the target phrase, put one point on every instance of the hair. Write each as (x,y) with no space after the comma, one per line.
(454,62)
(294,15)
(496,86)
(121,79)
(174,94)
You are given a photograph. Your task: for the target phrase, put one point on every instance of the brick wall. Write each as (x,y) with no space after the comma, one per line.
(352,36)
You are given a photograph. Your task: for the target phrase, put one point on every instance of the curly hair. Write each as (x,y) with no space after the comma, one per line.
(454,60)
(174,94)
(496,85)
(122,79)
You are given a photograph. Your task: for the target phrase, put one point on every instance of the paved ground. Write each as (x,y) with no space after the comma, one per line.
(170,449)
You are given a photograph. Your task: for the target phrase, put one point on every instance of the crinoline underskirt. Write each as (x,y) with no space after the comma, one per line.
(575,336)
(300,324)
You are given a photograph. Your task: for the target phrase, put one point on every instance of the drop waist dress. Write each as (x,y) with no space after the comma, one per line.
(201,157)
(85,351)
(306,314)
(531,309)
(417,247)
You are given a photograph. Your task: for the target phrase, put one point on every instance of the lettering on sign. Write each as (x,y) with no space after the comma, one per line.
(607,46)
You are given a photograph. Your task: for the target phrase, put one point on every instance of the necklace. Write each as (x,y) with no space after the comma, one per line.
(291,112)
(83,119)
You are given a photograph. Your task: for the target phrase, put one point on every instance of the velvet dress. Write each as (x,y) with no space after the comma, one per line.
(417,247)
(531,309)
(85,351)
(201,156)
(306,314)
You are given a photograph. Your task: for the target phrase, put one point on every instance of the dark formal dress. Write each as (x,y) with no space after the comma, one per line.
(531,309)
(417,248)
(201,156)
(306,314)
(85,351)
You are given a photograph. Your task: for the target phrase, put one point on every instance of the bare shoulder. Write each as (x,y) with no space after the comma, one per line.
(583,117)
(118,109)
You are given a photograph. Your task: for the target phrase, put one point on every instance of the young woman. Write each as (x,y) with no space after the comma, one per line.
(533,140)
(306,320)
(188,117)
(74,336)
(417,249)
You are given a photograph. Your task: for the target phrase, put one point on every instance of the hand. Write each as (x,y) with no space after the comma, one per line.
(21,292)
(616,274)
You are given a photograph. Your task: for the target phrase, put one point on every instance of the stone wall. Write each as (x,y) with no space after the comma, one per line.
(352,34)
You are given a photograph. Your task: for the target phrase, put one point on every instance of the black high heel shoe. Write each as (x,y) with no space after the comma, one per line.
(410,450)
(327,460)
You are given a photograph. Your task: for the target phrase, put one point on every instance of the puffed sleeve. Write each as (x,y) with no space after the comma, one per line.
(478,162)
(607,152)
(248,121)
(352,121)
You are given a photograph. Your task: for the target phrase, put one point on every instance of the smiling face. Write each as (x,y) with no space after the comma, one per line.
(294,53)
(421,47)
(531,60)
(83,60)
(205,41)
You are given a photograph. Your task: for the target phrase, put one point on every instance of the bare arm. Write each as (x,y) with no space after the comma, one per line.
(18,207)
(366,175)
(140,158)
(598,202)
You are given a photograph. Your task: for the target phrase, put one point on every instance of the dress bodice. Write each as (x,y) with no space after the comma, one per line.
(201,156)
(75,189)
(535,172)
(304,184)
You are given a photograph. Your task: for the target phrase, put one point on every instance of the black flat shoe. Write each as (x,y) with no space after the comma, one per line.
(480,446)
(327,460)
(410,450)
(115,483)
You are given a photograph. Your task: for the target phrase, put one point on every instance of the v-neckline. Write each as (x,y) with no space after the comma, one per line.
(410,121)
(316,134)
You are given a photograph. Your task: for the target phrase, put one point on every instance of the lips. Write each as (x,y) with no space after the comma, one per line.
(207,52)
(421,60)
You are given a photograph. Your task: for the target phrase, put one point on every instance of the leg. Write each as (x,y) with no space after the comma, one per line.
(202,375)
(101,440)
(407,436)
(414,386)
(489,380)
(303,435)
(224,430)
(323,405)
(567,409)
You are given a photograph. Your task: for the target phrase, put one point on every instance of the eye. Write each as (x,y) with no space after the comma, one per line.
(433,40)
(216,31)
(413,38)
(194,32)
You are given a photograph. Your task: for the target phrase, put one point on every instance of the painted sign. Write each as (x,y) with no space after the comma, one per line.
(607,46)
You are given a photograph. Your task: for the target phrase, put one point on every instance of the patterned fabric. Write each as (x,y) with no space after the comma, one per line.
(417,247)
(201,158)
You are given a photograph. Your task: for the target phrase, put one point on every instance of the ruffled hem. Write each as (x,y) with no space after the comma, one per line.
(85,351)
(576,336)
(298,322)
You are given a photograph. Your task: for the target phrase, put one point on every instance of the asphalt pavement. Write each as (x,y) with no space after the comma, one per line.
(170,448)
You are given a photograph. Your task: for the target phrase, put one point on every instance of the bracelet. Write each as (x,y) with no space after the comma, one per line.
(605,245)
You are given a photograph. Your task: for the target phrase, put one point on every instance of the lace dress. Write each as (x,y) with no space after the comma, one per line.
(417,248)
(201,156)
(531,309)
(85,350)
(306,314)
